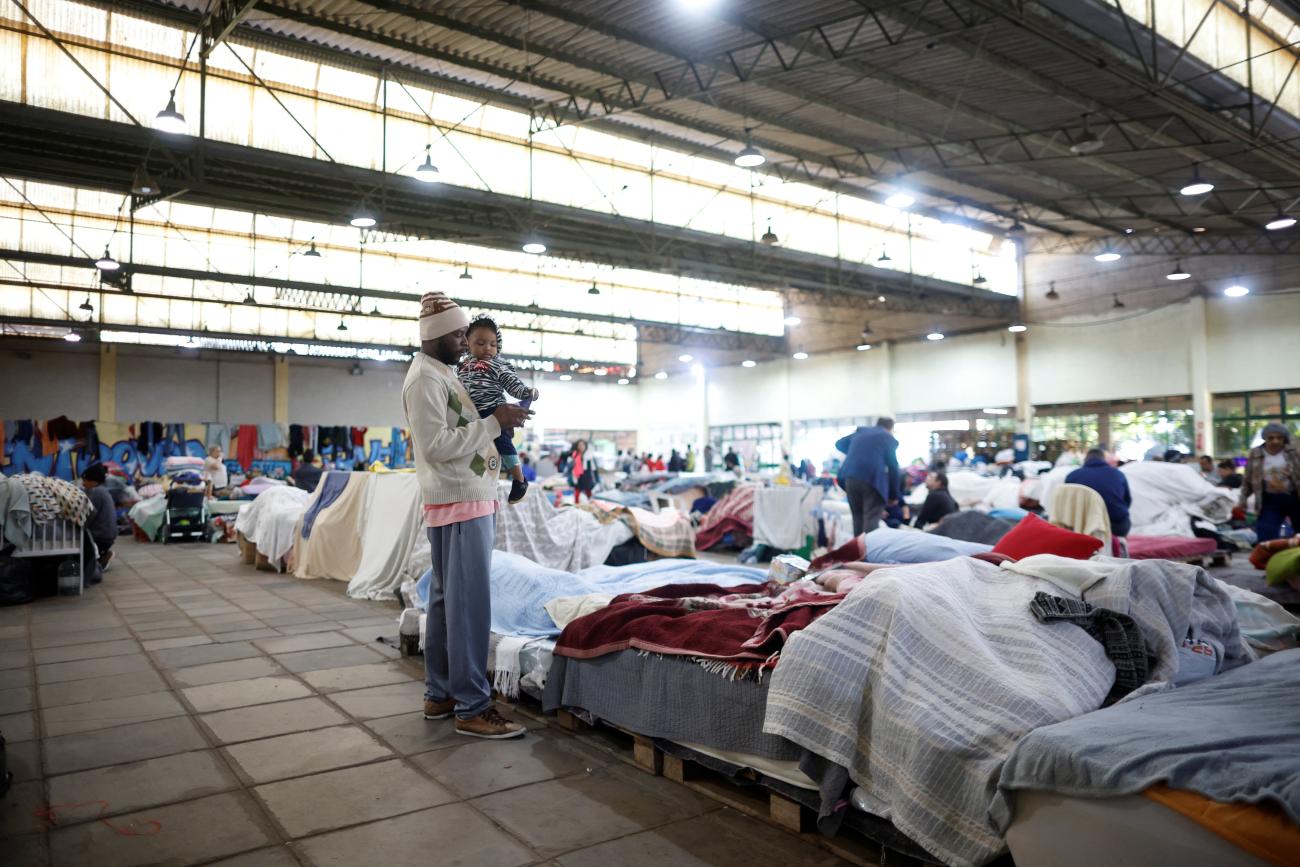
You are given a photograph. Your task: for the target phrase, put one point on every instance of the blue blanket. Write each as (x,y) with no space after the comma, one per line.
(521,587)
(886,545)
(1232,737)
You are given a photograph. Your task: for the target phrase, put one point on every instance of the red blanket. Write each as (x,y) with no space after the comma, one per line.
(737,624)
(733,514)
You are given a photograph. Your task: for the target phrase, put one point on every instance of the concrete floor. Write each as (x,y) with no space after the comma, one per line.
(191,710)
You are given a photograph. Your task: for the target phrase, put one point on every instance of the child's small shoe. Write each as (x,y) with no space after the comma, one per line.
(518,490)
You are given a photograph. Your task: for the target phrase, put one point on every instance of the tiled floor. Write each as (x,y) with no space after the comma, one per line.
(191,710)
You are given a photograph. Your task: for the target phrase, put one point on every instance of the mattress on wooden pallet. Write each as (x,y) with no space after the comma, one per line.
(1169,547)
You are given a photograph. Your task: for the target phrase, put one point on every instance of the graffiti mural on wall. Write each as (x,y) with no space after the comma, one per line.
(29,447)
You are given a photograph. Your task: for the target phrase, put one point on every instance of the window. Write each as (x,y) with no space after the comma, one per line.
(759,445)
(1238,418)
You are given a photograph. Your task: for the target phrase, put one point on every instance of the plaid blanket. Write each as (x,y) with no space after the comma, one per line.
(734,514)
(566,539)
(925,677)
(733,624)
(667,533)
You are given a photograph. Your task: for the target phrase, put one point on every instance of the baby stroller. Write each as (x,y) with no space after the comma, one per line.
(186,518)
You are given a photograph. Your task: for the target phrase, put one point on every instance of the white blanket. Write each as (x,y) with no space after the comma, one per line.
(568,539)
(783,515)
(392,527)
(1166,497)
(269,520)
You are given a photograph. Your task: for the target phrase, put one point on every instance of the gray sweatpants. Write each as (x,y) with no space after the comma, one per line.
(460,615)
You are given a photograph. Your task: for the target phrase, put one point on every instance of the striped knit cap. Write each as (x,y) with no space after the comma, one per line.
(440,315)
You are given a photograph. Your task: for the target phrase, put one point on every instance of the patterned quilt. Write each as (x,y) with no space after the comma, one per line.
(52,499)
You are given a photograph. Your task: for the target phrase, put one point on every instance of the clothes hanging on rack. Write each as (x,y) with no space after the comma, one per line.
(246,445)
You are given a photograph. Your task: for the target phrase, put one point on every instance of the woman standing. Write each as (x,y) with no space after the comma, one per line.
(1273,476)
(582,472)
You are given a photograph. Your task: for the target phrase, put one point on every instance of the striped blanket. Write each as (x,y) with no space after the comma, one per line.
(924,678)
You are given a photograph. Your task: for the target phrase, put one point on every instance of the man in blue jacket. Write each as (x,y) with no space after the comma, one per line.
(1111,484)
(869,474)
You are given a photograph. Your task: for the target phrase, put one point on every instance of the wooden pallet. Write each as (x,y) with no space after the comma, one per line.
(755,801)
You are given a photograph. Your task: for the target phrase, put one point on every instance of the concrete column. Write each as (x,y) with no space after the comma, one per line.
(886,378)
(702,383)
(281,389)
(787,425)
(1024,409)
(1199,374)
(107,383)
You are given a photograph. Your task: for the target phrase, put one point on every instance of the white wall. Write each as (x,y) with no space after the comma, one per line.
(585,406)
(969,372)
(327,394)
(1253,342)
(245,390)
(164,389)
(45,384)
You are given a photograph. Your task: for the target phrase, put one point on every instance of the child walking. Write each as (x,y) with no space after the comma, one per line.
(489,378)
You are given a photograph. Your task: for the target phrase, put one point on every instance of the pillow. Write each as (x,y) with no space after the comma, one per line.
(1282,566)
(886,545)
(1261,553)
(1033,536)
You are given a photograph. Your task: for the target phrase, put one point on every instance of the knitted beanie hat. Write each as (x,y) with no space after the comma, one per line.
(1276,428)
(439,315)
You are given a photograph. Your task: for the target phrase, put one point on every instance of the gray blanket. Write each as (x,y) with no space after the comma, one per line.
(1235,737)
(925,677)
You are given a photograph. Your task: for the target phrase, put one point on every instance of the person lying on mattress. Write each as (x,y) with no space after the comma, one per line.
(457,468)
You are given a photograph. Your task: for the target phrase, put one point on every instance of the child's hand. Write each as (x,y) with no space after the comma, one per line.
(533,395)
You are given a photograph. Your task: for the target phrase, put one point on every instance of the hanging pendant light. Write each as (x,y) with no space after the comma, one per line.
(980,279)
(107,262)
(1017,327)
(1016,229)
(427,171)
(1088,141)
(1236,290)
(190,342)
(1110,254)
(769,237)
(593,290)
(1117,304)
(534,244)
(343,326)
(465,275)
(249,299)
(169,119)
(883,259)
(363,217)
(86,305)
(72,337)
(1178,273)
(749,362)
(1281,221)
(1052,294)
(936,334)
(142,184)
(901,200)
(1196,186)
(863,347)
(312,252)
(749,157)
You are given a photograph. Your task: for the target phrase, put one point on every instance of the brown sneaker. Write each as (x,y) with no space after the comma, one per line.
(439,709)
(489,724)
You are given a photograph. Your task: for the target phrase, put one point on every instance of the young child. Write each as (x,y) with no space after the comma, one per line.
(489,378)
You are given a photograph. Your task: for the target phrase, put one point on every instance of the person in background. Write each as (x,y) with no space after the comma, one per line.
(1173,456)
(938,502)
(457,468)
(583,473)
(307,475)
(688,462)
(1228,476)
(526,466)
(1273,477)
(869,474)
(731,461)
(655,464)
(675,462)
(102,523)
(1208,469)
(1098,474)
(214,468)
(708,457)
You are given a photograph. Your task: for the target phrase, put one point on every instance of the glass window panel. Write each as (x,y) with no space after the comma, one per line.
(1265,404)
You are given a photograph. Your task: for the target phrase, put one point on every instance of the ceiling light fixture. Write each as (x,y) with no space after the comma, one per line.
(1016,230)
(866,331)
(1281,221)
(863,347)
(749,157)
(769,237)
(880,299)
(1236,290)
(86,305)
(142,184)
(792,321)
(249,299)
(1052,294)
(169,119)
(343,326)
(900,200)
(190,342)
(363,218)
(600,371)
(1117,304)
(1107,255)
(1196,186)
(685,357)
(882,260)
(624,381)
(106,262)
(934,335)
(427,171)
(1198,229)
(663,374)
(1088,141)
(1178,273)
(995,411)
(564,377)
(593,290)
(534,245)
(72,337)
(980,279)
(465,275)
(312,252)
(748,362)
(1017,327)
(800,356)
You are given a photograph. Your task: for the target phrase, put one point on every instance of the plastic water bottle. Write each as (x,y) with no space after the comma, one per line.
(69,578)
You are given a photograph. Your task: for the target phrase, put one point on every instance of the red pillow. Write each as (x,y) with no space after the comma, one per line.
(1033,536)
